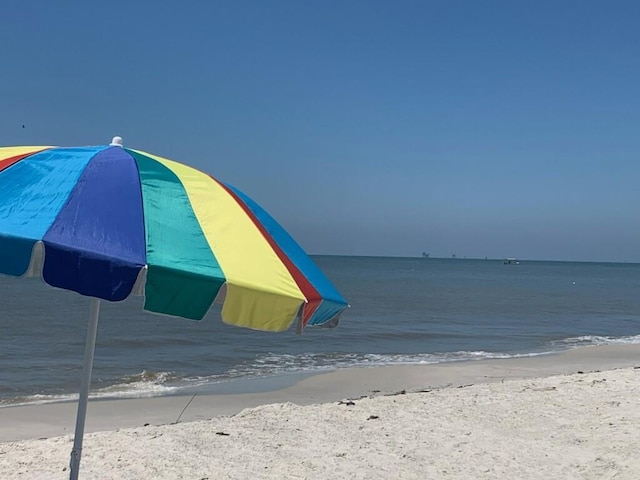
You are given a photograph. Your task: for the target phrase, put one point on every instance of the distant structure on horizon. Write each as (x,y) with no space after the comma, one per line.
(425,255)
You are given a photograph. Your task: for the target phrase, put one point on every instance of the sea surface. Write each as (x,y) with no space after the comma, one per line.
(403,311)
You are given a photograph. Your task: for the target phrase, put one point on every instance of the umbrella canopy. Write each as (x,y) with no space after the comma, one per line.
(108,222)
(102,220)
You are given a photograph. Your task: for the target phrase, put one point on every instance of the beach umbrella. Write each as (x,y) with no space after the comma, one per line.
(108,222)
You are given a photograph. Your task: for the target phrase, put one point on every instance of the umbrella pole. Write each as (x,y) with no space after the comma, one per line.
(84,388)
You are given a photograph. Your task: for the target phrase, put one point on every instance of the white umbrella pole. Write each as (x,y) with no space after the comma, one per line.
(84,388)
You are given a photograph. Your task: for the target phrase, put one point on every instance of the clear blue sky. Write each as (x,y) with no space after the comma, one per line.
(480,128)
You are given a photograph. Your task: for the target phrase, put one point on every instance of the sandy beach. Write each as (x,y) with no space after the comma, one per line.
(574,415)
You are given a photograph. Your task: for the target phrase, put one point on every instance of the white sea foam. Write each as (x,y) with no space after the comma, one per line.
(153,384)
(586,340)
(143,384)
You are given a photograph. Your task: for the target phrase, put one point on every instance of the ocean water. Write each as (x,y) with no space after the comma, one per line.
(403,311)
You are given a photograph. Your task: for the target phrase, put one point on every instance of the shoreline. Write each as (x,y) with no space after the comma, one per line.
(24,422)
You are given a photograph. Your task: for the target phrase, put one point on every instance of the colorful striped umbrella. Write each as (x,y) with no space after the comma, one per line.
(109,221)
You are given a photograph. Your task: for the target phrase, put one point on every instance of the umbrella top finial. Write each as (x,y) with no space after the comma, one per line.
(117,142)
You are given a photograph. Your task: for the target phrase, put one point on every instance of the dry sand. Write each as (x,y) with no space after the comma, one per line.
(533,418)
